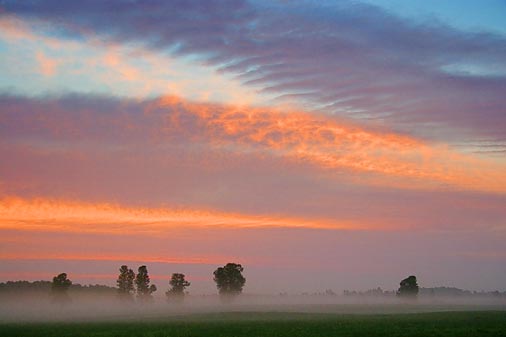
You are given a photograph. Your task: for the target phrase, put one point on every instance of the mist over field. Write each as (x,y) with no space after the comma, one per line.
(100,307)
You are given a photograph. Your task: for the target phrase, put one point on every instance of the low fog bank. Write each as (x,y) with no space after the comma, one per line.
(100,306)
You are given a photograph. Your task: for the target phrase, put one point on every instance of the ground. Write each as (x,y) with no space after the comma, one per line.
(483,323)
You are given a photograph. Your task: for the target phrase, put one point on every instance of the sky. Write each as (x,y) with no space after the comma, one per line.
(321,144)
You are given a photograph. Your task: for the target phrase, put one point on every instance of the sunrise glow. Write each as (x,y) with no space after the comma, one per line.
(363,140)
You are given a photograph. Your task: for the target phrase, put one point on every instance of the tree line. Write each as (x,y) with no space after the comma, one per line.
(229,281)
(137,286)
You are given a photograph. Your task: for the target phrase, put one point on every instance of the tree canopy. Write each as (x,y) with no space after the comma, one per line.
(229,279)
(142,282)
(125,282)
(408,287)
(61,283)
(178,285)
(59,288)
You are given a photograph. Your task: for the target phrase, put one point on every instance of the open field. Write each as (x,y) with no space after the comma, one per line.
(483,323)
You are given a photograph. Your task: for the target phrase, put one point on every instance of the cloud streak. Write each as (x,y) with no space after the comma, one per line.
(350,59)
(66,216)
(98,66)
(295,137)
(116,258)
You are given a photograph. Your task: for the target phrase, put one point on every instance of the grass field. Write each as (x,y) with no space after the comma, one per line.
(484,323)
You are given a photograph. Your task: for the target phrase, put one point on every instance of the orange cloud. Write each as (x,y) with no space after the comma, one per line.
(116,62)
(116,258)
(47,66)
(386,158)
(13,28)
(79,217)
(324,142)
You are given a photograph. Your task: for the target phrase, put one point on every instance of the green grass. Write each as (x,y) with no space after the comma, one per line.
(484,323)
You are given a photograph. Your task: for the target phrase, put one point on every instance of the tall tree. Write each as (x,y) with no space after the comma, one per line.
(144,289)
(60,287)
(408,287)
(178,285)
(125,282)
(229,280)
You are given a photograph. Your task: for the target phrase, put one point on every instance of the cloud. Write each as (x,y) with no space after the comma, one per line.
(67,216)
(297,138)
(350,59)
(169,153)
(48,66)
(97,66)
(115,258)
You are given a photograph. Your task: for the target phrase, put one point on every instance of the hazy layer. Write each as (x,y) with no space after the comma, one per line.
(38,307)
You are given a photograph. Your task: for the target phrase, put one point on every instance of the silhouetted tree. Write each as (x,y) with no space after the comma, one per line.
(125,282)
(408,287)
(59,288)
(229,280)
(144,290)
(178,285)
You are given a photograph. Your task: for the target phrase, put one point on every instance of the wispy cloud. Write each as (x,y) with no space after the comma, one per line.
(296,137)
(107,67)
(48,66)
(116,258)
(67,216)
(350,59)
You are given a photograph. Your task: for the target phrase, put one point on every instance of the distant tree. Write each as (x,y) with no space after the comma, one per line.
(60,287)
(45,287)
(144,289)
(178,285)
(229,280)
(125,282)
(408,287)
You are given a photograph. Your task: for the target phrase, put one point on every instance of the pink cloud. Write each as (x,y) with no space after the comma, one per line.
(47,66)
